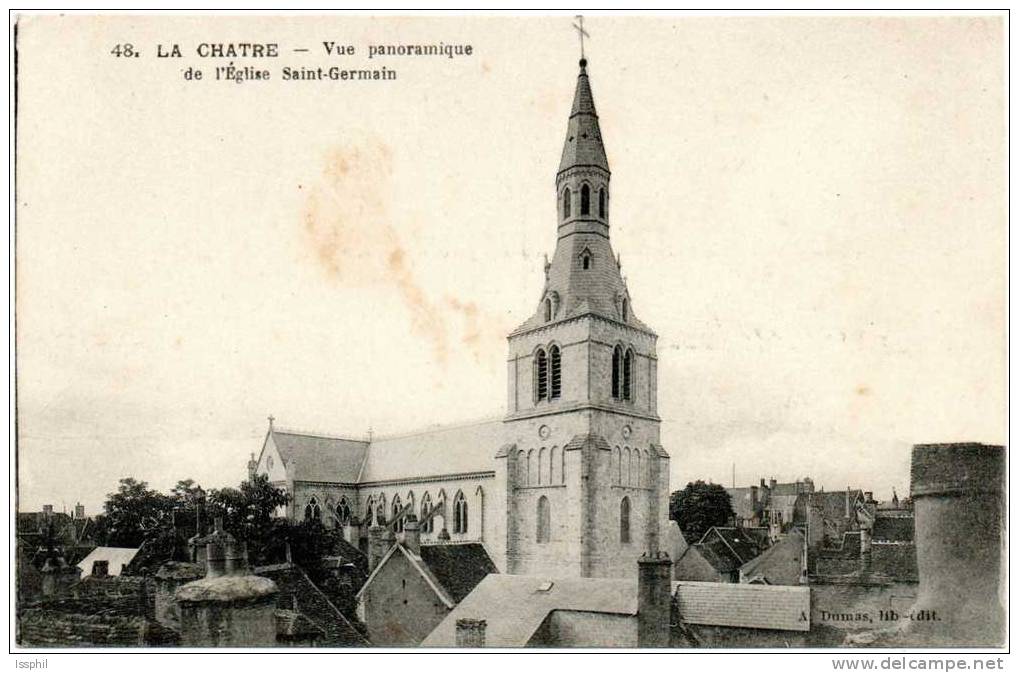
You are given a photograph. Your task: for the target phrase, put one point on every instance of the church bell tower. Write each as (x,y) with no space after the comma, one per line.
(583,473)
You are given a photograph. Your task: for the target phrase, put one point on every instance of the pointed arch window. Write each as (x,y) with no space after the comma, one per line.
(617,366)
(585,200)
(544,521)
(312,510)
(369,513)
(542,474)
(343,512)
(541,374)
(459,513)
(601,203)
(556,379)
(426,508)
(619,466)
(380,514)
(628,375)
(624,520)
(624,309)
(397,519)
(548,309)
(531,470)
(566,203)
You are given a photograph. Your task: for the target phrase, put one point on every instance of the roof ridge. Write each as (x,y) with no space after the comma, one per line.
(438,428)
(319,435)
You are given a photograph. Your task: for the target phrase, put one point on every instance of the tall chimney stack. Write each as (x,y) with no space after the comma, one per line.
(957,491)
(654,600)
(412,535)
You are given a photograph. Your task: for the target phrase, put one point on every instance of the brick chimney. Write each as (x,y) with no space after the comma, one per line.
(470,632)
(654,600)
(376,546)
(412,535)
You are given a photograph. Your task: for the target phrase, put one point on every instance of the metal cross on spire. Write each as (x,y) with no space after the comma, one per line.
(581,33)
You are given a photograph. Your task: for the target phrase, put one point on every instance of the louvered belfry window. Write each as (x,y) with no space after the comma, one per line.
(585,200)
(541,377)
(617,365)
(557,378)
(628,375)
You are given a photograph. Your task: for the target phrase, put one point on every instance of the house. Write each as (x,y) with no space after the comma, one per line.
(653,611)
(413,587)
(103,561)
(784,563)
(688,563)
(726,549)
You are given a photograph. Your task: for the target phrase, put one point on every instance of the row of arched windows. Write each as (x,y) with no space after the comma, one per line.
(631,467)
(548,374)
(541,467)
(585,202)
(622,373)
(375,512)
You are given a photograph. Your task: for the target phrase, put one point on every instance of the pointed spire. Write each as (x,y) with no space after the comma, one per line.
(583,145)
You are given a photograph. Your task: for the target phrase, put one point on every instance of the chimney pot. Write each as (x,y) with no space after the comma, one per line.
(470,632)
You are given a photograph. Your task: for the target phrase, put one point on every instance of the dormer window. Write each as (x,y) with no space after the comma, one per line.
(566,203)
(585,200)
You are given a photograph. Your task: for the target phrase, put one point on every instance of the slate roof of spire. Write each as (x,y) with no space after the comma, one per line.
(583,145)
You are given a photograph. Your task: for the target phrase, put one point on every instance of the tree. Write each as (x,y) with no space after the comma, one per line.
(249,512)
(698,507)
(134,513)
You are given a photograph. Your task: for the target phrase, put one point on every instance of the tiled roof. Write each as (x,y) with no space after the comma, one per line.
(692,566)
(458,567)
(896,561)
(446,450)
(754,606)
(780,564)
(298,592)
(319,458)
(893,529)
(728,548)
(514,606)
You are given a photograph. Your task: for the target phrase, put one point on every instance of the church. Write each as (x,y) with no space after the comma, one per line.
(572,481)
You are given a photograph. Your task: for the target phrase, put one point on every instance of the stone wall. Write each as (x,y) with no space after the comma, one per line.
(399,607)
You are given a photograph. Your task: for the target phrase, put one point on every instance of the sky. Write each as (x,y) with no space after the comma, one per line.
(810,212)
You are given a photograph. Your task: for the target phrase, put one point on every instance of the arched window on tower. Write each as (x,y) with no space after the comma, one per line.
(544,520)
(628,375)
(397,519)
(541,374)
(532,471)
(624,309)
(618,457)
(585,200)
(459,513)
(369,513)
(601,203)
(542,474)
(312,510)
(624,520)
(548,309)
(557,374)
(555,474)
(617,365)
(636,472)
(426,508)
(566,203)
